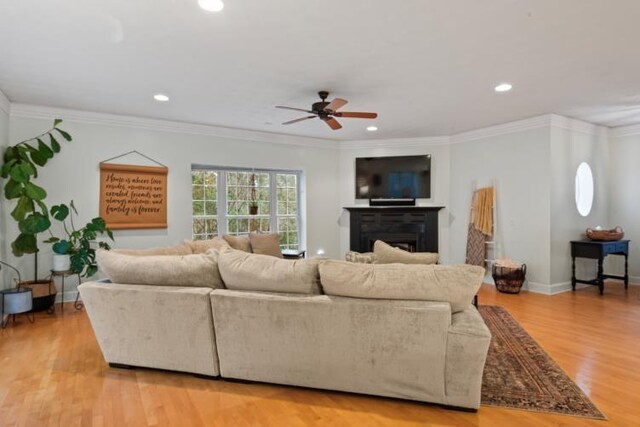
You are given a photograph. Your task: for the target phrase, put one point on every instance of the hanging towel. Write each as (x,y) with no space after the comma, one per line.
(482,210)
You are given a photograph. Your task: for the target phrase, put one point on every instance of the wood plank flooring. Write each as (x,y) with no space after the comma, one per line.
(52,374)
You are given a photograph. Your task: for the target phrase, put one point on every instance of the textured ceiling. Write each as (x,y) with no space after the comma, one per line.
(427,67)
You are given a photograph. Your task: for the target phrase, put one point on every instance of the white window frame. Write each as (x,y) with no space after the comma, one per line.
(221,184)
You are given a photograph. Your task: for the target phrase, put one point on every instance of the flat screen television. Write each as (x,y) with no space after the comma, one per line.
(393,177)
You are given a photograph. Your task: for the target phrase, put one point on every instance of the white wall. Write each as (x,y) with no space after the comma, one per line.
(518,163)
(74,174)
(438,148)
(574,142)
(4,142)
(625,193)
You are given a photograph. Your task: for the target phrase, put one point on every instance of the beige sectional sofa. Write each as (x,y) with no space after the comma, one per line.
(404,331)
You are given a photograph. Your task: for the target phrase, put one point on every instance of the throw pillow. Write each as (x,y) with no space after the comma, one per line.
(265,244)
(364,258)
(387,254)
(202,246)
(240,243)
(181,249)
(255,272)
(199,270)
(455,284)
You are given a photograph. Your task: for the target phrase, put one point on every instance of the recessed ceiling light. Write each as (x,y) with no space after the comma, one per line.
(211,5)
(160,97)
(372,128)
(503,87)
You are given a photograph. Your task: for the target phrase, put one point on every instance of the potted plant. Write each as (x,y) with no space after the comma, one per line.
(253,198)
(20,169)
(75,252)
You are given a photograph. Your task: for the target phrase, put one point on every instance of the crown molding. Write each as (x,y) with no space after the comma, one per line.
(576,125)
(624,131)
(5,104)
(502,129)
(394,143)
(88,117)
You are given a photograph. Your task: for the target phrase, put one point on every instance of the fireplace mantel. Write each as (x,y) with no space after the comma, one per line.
(413,226)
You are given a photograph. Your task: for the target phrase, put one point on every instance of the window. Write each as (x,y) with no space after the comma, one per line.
(584,189)
(241,201)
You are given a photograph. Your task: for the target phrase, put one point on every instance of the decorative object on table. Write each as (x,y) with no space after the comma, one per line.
(20,167)
(599,250)
(508,275)
(519,374)
(15,301)
(480,225)
(132,196)
(253,197)
(293,254)
(599,235)
(77,244)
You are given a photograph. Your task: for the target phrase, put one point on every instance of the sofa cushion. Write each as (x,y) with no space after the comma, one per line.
(387,254)
(455,284)
(202,246)
(265,244)
(181,249)
(240,243)
(200,270)
(255,272)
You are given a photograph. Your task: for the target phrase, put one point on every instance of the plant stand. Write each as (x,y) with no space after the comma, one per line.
(78,305)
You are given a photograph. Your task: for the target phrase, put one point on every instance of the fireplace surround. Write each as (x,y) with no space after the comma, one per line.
(412,228)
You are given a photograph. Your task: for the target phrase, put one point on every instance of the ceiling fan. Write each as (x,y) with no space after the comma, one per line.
(328,111)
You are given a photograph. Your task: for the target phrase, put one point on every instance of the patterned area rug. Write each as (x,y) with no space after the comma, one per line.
(520,375)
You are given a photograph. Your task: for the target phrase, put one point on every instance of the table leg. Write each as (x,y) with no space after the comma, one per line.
(573,273)
(626,271)
(600,278)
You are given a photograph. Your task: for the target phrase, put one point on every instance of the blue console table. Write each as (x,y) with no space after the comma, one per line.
(598,251)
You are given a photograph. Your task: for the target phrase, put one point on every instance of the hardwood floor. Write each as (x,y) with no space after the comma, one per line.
(52,374)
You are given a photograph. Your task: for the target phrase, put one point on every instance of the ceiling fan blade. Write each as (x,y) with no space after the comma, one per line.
(333,123)
(357,115)
(336,104)
(294,109)
(290,122)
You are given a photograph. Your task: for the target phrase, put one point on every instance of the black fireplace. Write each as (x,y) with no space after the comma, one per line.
(412,228)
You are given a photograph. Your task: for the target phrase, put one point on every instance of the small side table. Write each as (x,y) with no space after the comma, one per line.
(78,305)
(598,251)
(293,254)
(16,301)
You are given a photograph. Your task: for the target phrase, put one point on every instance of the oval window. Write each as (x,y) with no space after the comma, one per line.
(584,189)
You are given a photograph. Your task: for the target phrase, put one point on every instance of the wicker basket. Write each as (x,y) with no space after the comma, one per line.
(507,279)
(605,235)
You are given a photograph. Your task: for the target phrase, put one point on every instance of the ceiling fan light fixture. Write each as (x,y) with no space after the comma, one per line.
(372,128)
(211,5)
(503,87)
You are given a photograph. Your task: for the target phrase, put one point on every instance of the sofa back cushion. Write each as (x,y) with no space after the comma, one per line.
(202,246)
(240,243)
(265,244)
(255,272)
(181,249)
(455,284)
(199,270)
(387,254)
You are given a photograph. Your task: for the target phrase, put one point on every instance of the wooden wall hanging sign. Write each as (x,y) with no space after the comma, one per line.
(133,196)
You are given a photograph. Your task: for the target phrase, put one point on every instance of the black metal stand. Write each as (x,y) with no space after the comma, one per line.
(78,304)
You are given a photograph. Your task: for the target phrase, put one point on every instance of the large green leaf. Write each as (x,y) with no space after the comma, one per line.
(44,149)
(6,168)
(24,244)
(64,134)
(24,206)
(34,224)
(12,189)
(55,145)
(62,247)
(19,172)
(60,212)
(38,158)
(10,153)
(33,191)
